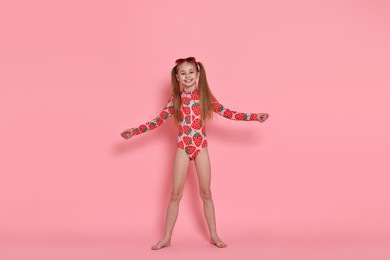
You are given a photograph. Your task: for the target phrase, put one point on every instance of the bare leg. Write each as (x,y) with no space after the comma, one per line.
(203,168)
(179,175)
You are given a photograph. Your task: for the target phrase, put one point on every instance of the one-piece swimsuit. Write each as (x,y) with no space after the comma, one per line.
(192,135)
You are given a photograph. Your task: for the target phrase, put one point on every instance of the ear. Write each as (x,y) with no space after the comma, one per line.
(177,77)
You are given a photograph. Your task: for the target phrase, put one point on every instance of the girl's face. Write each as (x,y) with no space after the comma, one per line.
(187,75)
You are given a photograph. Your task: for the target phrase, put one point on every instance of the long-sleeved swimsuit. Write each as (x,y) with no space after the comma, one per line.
(192,135)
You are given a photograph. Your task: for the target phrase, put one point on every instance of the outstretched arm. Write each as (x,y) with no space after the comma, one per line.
(156,122)
(234,115)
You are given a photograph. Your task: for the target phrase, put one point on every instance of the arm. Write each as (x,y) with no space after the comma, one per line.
(234,115)
(156,122)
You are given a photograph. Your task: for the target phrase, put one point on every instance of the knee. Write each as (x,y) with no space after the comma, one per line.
(205,194)
(176,195)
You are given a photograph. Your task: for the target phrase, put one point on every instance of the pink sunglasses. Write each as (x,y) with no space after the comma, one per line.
(181,60)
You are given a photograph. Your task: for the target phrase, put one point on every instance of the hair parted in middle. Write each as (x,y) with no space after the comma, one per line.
(206,97)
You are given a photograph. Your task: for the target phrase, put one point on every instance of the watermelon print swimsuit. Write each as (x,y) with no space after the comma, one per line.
(192,136)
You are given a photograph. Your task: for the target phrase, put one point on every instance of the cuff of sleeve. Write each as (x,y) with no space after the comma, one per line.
(135,131)
(253,117)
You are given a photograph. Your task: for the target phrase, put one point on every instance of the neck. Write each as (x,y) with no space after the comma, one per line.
(189,89)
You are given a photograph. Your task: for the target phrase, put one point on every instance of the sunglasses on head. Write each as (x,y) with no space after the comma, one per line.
(181,60)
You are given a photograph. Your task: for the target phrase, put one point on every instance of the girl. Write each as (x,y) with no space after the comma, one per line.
(191,104)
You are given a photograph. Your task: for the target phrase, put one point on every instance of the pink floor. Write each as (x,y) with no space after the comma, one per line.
(137,246)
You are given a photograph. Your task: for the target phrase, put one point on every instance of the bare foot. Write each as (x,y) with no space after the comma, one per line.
(218,242)
(162,243)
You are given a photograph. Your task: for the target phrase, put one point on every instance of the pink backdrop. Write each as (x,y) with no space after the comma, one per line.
(310,183)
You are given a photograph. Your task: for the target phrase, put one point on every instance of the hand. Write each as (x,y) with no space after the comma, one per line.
(262,117)
(127,134)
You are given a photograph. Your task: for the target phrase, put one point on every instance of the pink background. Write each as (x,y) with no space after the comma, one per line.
(310,183)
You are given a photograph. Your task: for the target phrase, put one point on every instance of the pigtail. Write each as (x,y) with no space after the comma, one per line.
(205,95)
(175,89)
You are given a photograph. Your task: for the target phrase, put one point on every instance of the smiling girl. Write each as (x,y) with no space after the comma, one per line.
(191,105)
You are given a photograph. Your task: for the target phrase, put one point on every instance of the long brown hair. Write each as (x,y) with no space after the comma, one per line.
(206,97)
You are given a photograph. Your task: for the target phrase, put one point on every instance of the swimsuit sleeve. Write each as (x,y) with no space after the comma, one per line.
(156,122)
(230,114)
